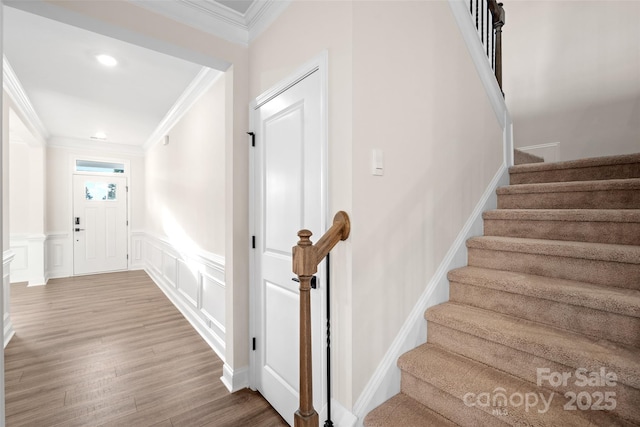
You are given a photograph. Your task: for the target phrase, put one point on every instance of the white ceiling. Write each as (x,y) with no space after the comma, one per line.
(75,96)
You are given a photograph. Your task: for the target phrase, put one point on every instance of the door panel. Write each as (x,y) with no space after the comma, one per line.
(100,238)
(288,187)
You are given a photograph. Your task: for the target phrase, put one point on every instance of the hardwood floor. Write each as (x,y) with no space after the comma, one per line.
(112,350)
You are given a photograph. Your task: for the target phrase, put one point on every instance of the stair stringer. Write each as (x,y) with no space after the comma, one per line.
(385,381)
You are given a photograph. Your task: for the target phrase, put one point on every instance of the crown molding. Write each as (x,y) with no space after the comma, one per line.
(261,14)
(198,86)
(219,20)
(95,146)
(21,101)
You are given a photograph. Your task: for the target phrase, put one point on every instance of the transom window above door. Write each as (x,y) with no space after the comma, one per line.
(99,167)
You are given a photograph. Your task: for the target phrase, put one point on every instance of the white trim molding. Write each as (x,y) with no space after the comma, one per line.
(58,252)
(235,379)
(216,19)
(16,92)
(29,261)
(8,331)
(198,87)
(194,281)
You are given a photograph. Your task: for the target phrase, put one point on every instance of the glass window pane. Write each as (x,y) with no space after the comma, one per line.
(100,191)
(104,167)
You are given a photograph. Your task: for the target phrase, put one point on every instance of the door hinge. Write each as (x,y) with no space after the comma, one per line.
(127,187)
(253,242)
(253,344)
(127,256)
(127,223)
(253,138)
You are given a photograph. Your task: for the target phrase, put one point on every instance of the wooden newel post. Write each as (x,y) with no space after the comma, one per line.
(306,258)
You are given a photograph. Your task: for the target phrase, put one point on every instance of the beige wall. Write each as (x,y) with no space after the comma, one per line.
(420,101)
(572,75)
(185,189)
(26,198)
(441,142)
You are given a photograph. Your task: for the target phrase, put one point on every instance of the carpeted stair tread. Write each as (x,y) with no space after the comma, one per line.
(614,226)
(572,186)
(401,410)
(559,248)
(611,299)
(512,299)
(464,379)
(598,263)
(614,194)
(522,157)
(565,215)
(557,345)
(596,168)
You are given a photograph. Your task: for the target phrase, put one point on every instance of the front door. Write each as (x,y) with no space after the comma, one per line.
(288,191)
(99,224)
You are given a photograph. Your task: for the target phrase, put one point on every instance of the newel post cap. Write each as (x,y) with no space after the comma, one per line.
(304,255)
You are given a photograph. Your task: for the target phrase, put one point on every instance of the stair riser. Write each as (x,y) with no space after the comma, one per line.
(607,273)
(621,233)
(587,321)
(612,199)
(524,366)
(630,170)
(445,404)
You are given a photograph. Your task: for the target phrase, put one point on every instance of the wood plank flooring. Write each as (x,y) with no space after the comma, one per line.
(111,350)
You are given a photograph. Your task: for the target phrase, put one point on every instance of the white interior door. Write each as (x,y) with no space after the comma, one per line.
(288,191)
(99,224)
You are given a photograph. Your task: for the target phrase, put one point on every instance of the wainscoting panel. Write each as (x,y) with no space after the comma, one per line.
(213,301)
(8,332)
(188,282)
(194,282)
(136,259)
(58,252)
(169,268)
(29,262)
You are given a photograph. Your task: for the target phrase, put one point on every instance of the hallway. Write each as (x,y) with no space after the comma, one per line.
(111,349)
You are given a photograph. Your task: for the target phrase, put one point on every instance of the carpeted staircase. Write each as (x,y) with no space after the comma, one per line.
(543,325)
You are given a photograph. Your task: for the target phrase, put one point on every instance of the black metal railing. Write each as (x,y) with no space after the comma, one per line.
(489,19)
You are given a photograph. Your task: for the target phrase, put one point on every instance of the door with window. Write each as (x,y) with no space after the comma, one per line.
(99,224)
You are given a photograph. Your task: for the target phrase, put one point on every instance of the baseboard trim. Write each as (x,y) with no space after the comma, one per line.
(385,381)
(341,416)
(235,379)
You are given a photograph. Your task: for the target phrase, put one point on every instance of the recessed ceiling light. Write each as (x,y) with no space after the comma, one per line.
(107,60)
(100,135)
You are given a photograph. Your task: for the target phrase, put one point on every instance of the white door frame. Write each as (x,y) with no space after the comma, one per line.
(127,174)
(318,64)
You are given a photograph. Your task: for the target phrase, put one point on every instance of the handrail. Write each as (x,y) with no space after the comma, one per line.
(306,257)
(490,10)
